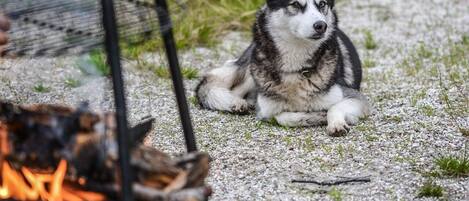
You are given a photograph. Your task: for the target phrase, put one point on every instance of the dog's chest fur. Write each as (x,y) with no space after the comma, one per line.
(293,72)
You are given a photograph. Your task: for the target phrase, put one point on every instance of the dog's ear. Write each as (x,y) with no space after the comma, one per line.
(331,3)
(277,4)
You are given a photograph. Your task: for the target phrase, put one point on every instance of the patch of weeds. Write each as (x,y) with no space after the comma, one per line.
(427,110)
(288,140)
(190,73)
(335,194)
(187,73)
(144,65)
(371,138)
(454,106)
(162,72)
(341,151)
(430,189)
(94,63)
(412,65)
(417,97)
(248,136)
(370,43)
(465,40)
(98,59)
(365,127)
(416,60)
(394,119)
(369,63)
(453,166)
(72,83)
(434,71)
(41,88)
(194,100)
(326,148)
(308,144)
(195,24)
(423,52)
(455,77)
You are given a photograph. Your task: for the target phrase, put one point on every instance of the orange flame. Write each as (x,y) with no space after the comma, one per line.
(26,185)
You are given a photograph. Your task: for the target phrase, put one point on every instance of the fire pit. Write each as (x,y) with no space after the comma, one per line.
(58,153)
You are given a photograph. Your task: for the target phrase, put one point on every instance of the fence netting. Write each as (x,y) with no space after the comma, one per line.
(61,27)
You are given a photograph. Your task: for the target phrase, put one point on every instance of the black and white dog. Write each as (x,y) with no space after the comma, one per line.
(301,70)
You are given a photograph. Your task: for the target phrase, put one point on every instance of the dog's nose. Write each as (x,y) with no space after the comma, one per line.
(320,27)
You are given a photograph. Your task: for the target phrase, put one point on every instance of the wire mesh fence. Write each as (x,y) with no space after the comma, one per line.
(62,27)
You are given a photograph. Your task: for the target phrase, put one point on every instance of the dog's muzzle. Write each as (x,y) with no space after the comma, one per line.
(320,28)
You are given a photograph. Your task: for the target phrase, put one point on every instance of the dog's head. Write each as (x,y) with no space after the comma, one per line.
(305,19)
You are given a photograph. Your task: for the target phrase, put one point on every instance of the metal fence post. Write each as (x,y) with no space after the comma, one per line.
(113,59)
(171,52)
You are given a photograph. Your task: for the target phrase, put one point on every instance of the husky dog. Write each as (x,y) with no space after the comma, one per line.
(301,69)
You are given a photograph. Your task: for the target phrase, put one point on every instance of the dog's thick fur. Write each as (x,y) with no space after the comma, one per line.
(294,70)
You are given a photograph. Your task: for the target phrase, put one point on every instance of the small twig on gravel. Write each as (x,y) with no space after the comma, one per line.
(335,182)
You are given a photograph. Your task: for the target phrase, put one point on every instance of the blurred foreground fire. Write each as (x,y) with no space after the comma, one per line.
(55,153)
(48,187)
(26,185)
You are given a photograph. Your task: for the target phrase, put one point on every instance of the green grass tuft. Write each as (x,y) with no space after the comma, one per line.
(98,59)
(453,166)
(394,119)
(369,63)
(94,63)
(430,189)
(370,42)
(423,52)
(202,23)
(188,73)
(41,88)
(194,100)
(248,136)
(72,83)
(335,194)
(162,72)
(427,110)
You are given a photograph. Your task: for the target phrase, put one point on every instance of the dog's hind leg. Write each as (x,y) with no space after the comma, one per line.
(299,119)
(347,112)
(224,88)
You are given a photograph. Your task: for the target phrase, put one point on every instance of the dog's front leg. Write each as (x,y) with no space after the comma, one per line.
(302,119)
(267,108)
(347,112)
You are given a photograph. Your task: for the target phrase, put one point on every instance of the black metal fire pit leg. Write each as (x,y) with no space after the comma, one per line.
(171,52)
(113,59)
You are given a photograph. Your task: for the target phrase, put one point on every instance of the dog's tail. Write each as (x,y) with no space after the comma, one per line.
(224,88)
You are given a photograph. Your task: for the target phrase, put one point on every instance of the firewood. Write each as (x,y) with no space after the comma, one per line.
(39,136)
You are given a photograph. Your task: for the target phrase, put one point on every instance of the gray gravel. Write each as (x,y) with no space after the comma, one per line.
(256,161)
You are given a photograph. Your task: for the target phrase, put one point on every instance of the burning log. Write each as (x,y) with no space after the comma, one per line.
(41,138)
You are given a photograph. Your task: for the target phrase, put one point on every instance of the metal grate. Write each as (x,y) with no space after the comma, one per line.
(62,27)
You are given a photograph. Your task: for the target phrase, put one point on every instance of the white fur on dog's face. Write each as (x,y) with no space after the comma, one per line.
(299,22)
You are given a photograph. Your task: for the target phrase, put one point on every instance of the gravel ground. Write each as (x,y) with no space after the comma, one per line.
(407,76)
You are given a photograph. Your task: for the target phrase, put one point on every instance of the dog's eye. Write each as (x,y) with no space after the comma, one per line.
(296,4)
(322,4)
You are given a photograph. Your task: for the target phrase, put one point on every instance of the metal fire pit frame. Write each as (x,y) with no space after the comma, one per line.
(113,59)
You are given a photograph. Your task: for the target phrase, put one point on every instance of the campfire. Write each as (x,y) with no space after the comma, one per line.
(56,153)
(26,185)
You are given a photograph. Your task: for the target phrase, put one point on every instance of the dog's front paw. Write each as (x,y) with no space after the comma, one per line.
(338,128)
(240,107)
